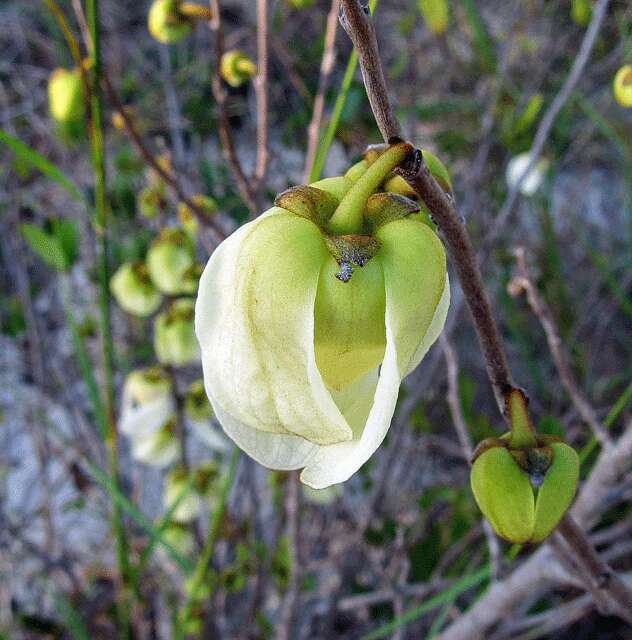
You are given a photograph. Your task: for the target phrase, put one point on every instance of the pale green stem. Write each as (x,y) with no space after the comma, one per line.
(348,217)
(523,434)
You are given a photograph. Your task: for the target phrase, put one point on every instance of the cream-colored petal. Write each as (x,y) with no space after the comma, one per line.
(274,451)
(255,320)
(414,264)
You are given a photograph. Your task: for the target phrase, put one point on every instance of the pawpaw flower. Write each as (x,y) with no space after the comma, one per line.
(169,258)
(311,315)
(174,336)
(623,86)
(236,68)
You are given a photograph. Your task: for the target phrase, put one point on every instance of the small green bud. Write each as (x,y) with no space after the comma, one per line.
(167,23)
(174,336)
(623,86)
(145,385)
(179,536)
(188,218)
(236,68)
(581,12)
(65,96)
(150,202)
(435,14)
(134,291)
(524,483)
(196,404)
(301,4)
(168,260)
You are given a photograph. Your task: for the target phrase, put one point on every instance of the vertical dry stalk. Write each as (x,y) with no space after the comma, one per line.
(326,68)
(261,89)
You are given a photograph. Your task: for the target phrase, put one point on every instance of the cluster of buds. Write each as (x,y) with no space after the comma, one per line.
(170,21)
(524,482)
(310,316)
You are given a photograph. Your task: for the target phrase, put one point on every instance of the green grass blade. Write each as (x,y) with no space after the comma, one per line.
(449,595)
(127,505)
(71,618)
(39,162)
(339,105)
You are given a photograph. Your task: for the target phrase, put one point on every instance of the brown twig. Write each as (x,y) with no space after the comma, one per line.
(326,68)
(225,132)
(284,631)
(261,90)
(458,419)
(560,357)
(355,21)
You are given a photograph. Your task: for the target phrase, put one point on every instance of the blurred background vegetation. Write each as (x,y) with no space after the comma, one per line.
(169,533)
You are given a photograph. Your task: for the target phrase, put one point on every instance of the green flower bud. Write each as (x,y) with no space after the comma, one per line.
(174,335)
(65,96)
(168,260)
(191,279)
(159,447)
(237,68)
(196,404)
(180,537)
(435,14)
(150,201)
(310,316)
(524,483)
(134,291)
(623,86)
(581,12)
(301,4)
(188,498)
(189,220)
(167,23)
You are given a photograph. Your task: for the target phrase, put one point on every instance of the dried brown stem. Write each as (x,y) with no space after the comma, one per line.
(560,357)
(326,67)
(225,131)
(261,89)
(356,22)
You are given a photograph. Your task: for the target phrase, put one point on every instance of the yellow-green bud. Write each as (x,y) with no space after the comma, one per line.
(196,404)
(237,68)
(134,291)
(180,537)
(524,483)
(623,86)
(65,96)
(188,219)
(301,4)
(167,23)
(168,260)
(436,15)
(174,335)
(581,12)
(145,385)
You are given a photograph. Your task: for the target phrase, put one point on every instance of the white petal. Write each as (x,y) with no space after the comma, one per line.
(255,322)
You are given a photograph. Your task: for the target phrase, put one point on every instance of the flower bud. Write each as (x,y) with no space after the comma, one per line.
(236,68)
(301,4)
(167,23)
(189,221)
(623,86)
(134,291)
(524,483)
(180,537)
(435,13)
(196,404)
(310,316)
(203,481)
(533,180)
(160,448)
(174,335)
(581,12)
(65,96)
(168,260)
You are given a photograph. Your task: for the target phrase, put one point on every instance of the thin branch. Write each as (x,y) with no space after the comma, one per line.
(326,68)
(560,357)
(284,631)
(458,419)
(261,90)
(225,131)
(355,21)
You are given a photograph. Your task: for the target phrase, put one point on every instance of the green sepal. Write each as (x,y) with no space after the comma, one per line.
(308,202)
(382,208)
